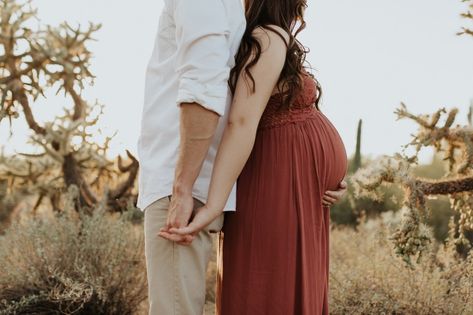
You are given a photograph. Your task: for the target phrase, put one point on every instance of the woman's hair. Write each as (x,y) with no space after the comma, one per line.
(288,15)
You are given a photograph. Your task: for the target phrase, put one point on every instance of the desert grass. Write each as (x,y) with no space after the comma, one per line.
(95,265)
(366,277)
(72,264)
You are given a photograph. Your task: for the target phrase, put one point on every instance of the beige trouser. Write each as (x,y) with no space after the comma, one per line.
(176,273)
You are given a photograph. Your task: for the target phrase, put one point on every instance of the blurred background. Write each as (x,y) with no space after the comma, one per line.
(369,56)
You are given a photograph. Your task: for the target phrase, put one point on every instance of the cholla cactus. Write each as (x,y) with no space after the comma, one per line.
(32,60)
(456,143)
(469,16)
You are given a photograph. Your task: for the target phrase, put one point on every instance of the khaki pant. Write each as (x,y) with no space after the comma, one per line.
(176,273)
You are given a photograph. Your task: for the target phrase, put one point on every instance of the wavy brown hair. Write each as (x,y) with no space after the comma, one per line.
(289,15)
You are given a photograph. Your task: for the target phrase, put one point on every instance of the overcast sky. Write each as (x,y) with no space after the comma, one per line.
(369,55)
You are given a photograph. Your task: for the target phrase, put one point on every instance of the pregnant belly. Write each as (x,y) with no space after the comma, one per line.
(320,150)
(310,148)
(331,158)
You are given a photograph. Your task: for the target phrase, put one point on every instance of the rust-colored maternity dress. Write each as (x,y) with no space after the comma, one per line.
(276,245)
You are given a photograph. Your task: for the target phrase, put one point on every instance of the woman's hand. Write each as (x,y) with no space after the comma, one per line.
(332,197)
(185,235)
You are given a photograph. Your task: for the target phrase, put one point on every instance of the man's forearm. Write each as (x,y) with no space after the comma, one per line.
(197,129)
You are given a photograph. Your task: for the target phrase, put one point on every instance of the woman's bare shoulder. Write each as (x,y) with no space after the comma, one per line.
(271,35)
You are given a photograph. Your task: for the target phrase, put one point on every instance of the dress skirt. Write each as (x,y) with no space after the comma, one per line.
(276,245)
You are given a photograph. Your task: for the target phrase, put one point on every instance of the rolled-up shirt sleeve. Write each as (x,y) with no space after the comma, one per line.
(202,53)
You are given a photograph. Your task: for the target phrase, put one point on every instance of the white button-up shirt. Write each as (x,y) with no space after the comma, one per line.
(192,57)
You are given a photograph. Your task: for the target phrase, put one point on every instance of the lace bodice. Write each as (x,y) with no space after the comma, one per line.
(302,108)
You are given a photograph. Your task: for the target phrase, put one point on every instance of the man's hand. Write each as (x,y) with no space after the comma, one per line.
(331,197)
(197,127)
(180,210)
(185,235)
(179,214)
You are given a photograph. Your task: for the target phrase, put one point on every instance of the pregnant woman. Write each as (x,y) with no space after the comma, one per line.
(276,245)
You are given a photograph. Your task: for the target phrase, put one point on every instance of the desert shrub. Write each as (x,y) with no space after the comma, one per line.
(366,276)
(7,205)
(72,264)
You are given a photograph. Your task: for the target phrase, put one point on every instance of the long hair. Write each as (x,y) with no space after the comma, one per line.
(289,15)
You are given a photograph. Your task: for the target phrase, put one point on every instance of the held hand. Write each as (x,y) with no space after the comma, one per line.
(180,210)
(332,197)
(185,235)
(179,213)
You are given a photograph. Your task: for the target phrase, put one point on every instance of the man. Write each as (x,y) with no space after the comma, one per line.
(187,100)
(186,103)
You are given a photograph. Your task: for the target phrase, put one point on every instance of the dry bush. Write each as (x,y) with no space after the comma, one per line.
(72,264)
(366,277)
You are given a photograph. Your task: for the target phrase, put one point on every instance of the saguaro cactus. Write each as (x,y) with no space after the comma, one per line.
(356,162)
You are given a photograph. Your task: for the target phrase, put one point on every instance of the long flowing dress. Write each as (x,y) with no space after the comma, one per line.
(276,245)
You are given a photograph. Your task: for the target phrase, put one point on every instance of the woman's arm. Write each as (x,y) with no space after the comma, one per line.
(240,132)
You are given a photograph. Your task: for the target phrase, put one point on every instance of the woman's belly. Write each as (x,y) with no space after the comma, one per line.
(306,144)
(333,157)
